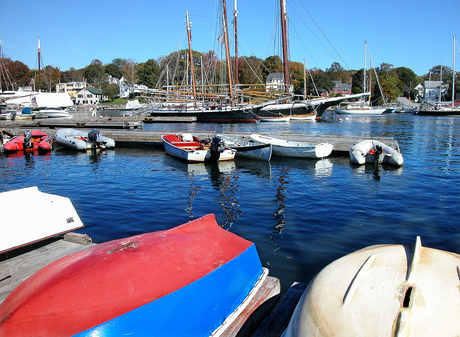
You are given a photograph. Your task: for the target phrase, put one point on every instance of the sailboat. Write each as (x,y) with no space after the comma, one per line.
(362,107)
(443,109)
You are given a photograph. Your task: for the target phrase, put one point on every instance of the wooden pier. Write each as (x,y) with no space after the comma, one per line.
(126,131)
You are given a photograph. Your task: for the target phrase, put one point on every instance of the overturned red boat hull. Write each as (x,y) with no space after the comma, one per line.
(183,281)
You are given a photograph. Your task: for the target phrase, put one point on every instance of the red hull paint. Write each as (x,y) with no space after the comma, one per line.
(40,142)
(93,286)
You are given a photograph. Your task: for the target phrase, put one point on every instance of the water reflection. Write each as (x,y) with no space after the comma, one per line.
(279,215)
(224,178)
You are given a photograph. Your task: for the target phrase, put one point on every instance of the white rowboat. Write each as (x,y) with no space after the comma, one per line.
(293,149)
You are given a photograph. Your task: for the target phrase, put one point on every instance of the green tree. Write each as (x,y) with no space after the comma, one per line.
(272,64)
(408,80)
(148,73)
(322,81)
(94,73)
(337,73)
(110,90)
(114,70)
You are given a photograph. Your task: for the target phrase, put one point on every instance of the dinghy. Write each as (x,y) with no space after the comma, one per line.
(82,140)
(293,149)
(274,119)
(248,150)
(383,290)
(29,141)
(192,149)
(374,151)
(191,280)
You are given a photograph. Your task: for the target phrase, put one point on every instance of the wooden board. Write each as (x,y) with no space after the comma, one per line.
(28,215)
(17,266)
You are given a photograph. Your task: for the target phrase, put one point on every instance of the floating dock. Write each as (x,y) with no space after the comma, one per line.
(127,131)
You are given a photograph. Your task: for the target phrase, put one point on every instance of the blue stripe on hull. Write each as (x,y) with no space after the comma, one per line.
(195,310)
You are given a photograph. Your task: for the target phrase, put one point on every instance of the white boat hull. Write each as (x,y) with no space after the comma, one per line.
(360,111)
(365,152)
(249,150)
(293,149)
(283,119)
(195,154)
(28,215)
(383,290)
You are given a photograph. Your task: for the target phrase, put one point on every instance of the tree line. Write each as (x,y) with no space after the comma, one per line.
(174,69)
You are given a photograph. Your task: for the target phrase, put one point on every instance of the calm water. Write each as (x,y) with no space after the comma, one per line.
(301,214)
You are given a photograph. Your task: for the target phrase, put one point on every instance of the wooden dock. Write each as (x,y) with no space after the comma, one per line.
(127,132)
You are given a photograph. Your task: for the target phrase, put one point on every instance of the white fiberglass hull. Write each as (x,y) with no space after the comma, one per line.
(293,149)
(360,111)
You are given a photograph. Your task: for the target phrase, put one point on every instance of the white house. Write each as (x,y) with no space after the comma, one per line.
(434,90)
(275,82)
(89,96)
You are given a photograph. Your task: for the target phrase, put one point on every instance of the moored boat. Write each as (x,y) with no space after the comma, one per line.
(47,216)
(249,150)
(374,151)
(29,141)
(383,290)
(82,140)
(274,119)
(294,149)
(53,112)
(192,149)
(194,279)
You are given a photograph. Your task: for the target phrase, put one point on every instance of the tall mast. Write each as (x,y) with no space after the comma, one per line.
(453,75)
(235,23)
(227,50)
(285,44)
(39,66)
(189,33)
(364,69)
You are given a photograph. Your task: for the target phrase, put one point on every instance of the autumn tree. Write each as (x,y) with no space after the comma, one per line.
(130,72)
(72,75)
(52,76)
(296,71)
(17,74)
(250,70)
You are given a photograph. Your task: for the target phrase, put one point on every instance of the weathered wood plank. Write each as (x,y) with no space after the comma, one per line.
(278,320)
(16,269)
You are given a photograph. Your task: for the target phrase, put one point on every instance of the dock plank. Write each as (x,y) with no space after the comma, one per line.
(14,270)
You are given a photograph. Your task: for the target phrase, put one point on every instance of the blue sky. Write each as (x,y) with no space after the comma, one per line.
(408,33)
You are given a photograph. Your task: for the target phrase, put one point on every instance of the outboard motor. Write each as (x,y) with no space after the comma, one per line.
(217,147)
(94,138)
(27,139)
(378,152)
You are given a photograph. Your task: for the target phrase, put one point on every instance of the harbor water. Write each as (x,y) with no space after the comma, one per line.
(301,214)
